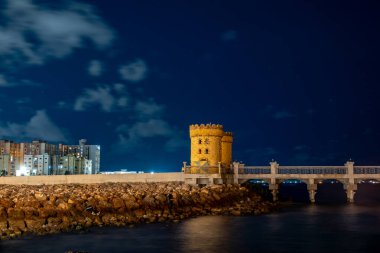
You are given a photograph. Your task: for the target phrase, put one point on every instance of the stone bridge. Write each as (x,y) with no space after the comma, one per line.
(349,175)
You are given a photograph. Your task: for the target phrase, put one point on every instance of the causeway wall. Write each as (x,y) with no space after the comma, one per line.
(94,179)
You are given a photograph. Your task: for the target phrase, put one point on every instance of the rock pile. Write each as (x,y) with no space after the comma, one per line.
(54,208)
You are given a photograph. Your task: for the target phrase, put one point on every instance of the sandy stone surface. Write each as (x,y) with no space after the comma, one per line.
(50,209)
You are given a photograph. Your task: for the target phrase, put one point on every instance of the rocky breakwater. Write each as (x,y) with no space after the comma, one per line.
(55,208)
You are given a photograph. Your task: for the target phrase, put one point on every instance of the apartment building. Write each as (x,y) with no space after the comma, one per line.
(42,158)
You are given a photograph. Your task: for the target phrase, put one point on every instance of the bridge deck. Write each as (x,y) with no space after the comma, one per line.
(308,176)
(274,174)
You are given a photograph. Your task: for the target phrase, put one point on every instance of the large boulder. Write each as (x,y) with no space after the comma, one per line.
(118,203)
(40,196)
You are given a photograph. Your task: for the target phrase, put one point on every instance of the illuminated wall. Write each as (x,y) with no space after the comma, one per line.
(210,145)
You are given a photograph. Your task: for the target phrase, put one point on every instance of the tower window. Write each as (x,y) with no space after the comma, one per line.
(206,151)
(200,141)
(200,151)
(207,141)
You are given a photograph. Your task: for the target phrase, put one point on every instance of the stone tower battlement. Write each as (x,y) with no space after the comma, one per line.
(228,137)
(206,126)
(208,129)
(211,147)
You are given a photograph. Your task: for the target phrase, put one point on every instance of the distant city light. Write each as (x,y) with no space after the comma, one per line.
(122,171)
(369,182)
(22,171)
(295,181)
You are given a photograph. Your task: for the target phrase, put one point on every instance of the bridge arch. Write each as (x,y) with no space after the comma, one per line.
(258,181)
(260,186)
(293,180)
(293,189)
(331,191)
(369,181)
(331,180)
(368,191)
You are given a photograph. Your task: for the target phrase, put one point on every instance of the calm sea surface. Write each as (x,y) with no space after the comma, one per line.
(310,228)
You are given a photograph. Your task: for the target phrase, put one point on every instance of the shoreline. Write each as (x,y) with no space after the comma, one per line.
(50,209)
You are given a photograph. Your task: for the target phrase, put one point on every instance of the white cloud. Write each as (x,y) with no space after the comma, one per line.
(3,81)
(103,97)
(148,124)
(9,81)
(22,100)
(133,136)
(119,88)
(38,127)
(176,141)
(32,33)
(95,68)
(62,104)
(150,128)
(148,109)
(135,71)
(122,102)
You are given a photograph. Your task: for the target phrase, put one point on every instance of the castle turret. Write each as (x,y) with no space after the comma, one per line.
(211,147)
(227,149)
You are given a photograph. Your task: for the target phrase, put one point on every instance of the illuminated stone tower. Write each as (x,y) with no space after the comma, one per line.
(211,148)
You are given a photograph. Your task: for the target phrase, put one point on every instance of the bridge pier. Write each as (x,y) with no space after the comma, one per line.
(237,167)
(350,191)
(312,189)
(274,194)
(350,185)
(273,187)
(274,190)
(312,196)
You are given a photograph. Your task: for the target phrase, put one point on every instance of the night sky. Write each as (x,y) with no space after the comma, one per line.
(295,81)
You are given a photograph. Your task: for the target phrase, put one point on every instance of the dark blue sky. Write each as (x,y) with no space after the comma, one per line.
(295,81)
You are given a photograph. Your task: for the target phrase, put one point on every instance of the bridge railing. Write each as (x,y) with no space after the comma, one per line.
(255,170)
(309,170)
(326,170)
(312,170)
(367,170)
(206,170)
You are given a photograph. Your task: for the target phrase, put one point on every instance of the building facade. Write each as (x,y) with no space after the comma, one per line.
(5,165)
(211,148)
(35,165)
(42,158)
(89,152)
(71,164)
(10,156)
